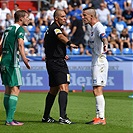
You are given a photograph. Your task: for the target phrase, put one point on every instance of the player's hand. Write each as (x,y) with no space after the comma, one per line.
(105,48)
(26,62)
(73,45)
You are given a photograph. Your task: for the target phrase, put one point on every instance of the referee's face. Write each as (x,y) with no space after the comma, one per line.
(61,18)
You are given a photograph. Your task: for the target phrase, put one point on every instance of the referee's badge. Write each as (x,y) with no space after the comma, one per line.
(57,31)
(68,77)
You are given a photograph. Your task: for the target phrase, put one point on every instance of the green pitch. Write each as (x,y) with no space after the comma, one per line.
(81,109)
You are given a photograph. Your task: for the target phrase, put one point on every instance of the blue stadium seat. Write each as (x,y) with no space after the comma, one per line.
(43,28)
(76,51)
(116,51)
(68,52)
(31,28)
(127,51)
(107,30)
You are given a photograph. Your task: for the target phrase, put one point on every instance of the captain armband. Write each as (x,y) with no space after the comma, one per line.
(103,35)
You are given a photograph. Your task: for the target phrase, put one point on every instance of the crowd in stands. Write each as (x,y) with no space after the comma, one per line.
(115,15)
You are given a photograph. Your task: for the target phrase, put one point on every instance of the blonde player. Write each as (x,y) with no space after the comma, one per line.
(98,43)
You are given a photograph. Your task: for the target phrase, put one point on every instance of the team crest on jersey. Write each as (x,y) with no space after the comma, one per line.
(57,31)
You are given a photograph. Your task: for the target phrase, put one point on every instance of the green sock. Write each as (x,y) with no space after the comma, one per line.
(12,107)
(6,102)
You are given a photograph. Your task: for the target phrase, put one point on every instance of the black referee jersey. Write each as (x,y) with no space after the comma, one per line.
(54,48)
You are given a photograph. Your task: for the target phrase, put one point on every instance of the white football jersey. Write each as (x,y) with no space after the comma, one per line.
(95,41)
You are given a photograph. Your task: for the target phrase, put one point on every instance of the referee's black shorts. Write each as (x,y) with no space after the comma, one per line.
(58,72)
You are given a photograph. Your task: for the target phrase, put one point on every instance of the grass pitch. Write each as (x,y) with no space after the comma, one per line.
(80,109)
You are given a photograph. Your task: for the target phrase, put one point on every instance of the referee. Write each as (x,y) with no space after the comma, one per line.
(59,78)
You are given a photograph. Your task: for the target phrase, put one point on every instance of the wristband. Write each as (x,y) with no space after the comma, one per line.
(68,43)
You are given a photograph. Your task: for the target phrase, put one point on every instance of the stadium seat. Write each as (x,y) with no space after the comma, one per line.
(127,51)
(76,51)
(116,51)
(68,52)
(107,30)
(43,28)
(31,28)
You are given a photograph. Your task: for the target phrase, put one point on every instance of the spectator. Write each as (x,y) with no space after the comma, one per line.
(75,12)
(127,4)
(71,3)
(31,17)
(61,4)
(77,33)
(96,3)
(37,42)
(119,24)
(88,50)
(103,15)
(124,40)
(16,8)
(3,11)
(85,4)
(38,34)
(7,22)
(41,17)
(127,16)
(113,39)
(50,14)
(40,48)
(113,7)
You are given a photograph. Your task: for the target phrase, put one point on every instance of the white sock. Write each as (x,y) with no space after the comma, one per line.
(100,106)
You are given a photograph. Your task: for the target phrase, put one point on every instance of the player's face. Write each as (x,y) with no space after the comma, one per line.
(26,20)
(86,17)
(62,18)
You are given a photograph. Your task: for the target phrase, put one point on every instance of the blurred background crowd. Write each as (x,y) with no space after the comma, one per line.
(115,15)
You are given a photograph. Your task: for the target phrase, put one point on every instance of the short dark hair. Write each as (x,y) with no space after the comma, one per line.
(16,4)
(92,9)
(56,13)
(18,14)
(87,8)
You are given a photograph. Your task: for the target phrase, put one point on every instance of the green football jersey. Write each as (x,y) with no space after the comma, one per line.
(10,51)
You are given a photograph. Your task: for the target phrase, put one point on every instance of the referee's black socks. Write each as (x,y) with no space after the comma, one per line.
(62,99)
(48,105)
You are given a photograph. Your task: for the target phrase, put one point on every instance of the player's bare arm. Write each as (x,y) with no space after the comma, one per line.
(22,52)
(105,44)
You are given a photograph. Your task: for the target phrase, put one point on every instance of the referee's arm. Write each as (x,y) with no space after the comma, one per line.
(65,40)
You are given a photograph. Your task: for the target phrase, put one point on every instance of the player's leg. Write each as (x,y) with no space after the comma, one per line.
(62,100)
(50,98)
(6,99)
(99,78)
(12,103)
(100,101)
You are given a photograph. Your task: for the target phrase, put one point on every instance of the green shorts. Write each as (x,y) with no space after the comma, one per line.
(11,76)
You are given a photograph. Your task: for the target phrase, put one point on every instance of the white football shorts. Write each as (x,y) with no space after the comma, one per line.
(99,72)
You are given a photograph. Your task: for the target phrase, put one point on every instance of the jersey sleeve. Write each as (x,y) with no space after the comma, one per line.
(20,33)
(101,31)
(57,31)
